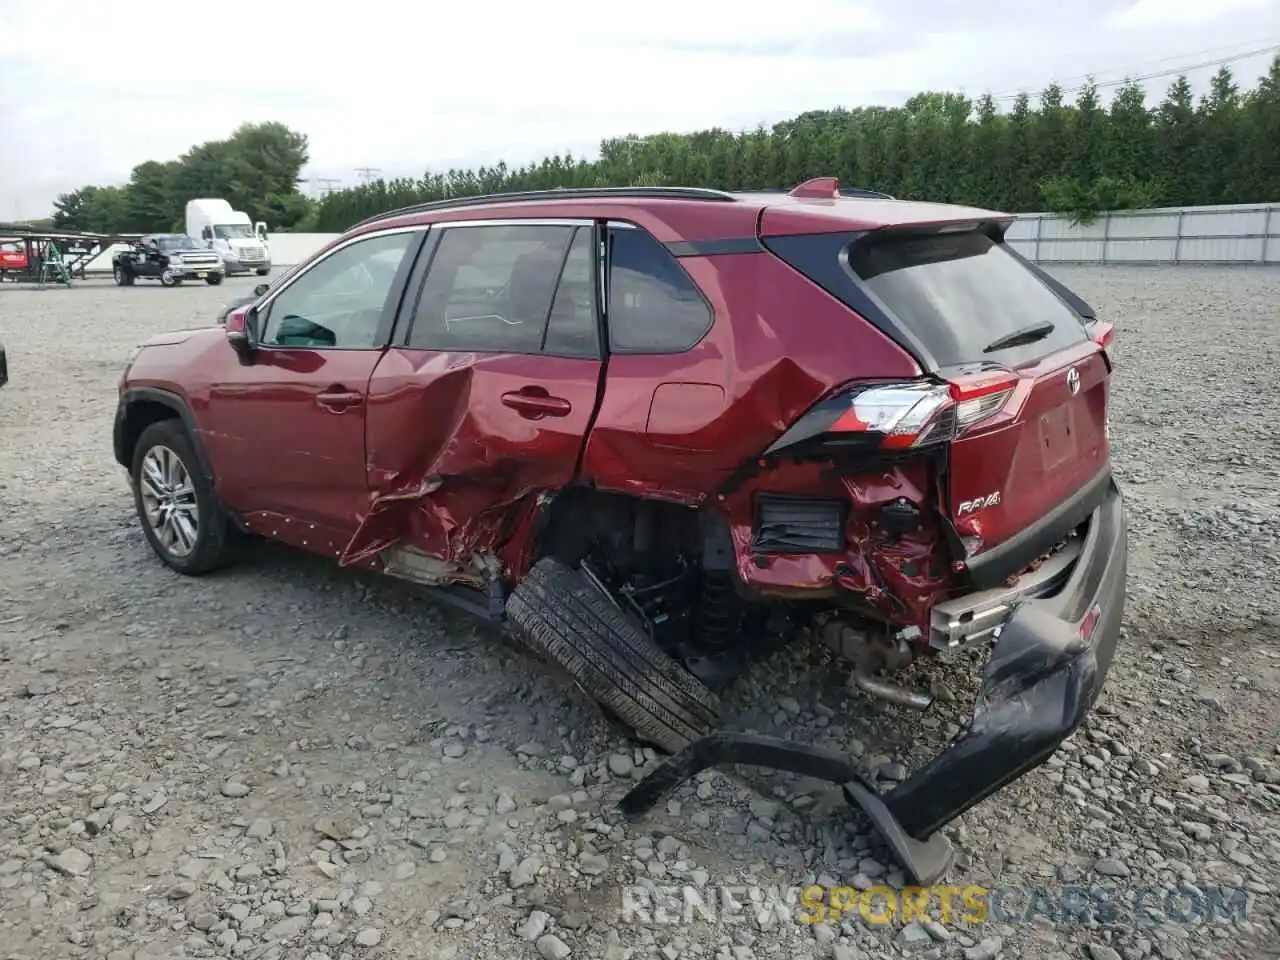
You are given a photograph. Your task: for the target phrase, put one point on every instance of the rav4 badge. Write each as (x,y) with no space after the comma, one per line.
(978,503)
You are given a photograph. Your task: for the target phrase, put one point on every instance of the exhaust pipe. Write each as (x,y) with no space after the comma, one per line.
(891,692)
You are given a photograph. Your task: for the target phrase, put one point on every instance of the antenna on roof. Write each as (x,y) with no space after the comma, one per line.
(828,188)
(819,188)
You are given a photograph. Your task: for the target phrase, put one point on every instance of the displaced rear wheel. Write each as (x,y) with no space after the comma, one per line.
(563,616)
(180,516)
(170,279)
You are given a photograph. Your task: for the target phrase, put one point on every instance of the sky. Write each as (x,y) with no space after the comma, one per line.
(413,86)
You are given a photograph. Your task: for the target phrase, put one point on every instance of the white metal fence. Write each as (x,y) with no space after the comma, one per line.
(1240,234)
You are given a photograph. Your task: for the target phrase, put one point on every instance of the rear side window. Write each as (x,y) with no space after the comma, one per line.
(959,293)
(654,307)
(490,289)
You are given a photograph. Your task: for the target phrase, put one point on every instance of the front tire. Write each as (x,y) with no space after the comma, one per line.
(180,516)
(263,271)
(213,279)
(563,616)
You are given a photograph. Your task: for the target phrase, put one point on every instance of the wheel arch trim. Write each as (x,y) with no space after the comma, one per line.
(165,398)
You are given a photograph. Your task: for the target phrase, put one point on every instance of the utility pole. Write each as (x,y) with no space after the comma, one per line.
(326,185)
(366,173)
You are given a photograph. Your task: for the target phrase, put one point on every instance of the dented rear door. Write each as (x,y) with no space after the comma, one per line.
(488,392)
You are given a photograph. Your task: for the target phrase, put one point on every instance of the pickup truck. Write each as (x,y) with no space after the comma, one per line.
(169,258)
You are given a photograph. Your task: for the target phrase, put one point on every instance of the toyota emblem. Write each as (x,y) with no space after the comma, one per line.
(1073,381)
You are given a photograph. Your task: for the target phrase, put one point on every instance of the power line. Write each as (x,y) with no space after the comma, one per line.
(1129,70)
(366,173)
(1172,72)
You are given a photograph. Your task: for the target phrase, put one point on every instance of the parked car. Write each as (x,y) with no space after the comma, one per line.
(167,257)
(635,424)
(13,259)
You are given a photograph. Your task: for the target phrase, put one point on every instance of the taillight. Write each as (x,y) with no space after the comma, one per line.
(900,416)
(901,412)
(981,396)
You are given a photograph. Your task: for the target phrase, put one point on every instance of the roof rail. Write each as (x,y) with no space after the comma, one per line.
(557,193)
(865,193)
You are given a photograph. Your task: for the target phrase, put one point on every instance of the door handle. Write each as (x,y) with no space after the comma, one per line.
(535,403)
(336,399)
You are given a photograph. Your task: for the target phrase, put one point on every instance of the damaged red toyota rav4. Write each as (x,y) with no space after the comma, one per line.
(639,425)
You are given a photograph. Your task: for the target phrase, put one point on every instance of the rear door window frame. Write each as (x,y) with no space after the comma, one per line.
(403,333)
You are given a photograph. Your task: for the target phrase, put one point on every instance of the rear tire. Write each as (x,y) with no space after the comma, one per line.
(165,458)
(122,276)
(562,616)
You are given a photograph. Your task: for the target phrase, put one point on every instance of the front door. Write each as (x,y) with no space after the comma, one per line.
(293,416)
(147,262)
(487,395)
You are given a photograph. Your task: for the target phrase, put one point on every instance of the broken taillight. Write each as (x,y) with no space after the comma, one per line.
(902,416)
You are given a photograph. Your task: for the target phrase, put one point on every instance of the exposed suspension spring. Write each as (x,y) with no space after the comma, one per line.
(716,609)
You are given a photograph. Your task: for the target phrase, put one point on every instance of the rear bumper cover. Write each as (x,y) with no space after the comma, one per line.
(1044,675)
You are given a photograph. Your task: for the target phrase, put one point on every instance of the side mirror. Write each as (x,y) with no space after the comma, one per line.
(260,228)
(241,330)
(261,289)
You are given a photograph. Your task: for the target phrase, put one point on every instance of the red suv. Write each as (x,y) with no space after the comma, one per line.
(647,426)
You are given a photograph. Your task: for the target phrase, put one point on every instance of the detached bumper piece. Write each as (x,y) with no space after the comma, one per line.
(1043,677)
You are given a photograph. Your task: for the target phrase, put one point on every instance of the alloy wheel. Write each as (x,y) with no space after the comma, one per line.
(169,501)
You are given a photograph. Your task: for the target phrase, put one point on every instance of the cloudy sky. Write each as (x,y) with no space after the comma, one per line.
(407,86)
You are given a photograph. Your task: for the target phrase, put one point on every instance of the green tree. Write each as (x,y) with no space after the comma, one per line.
(93,209)
(256,169)
(1175,145)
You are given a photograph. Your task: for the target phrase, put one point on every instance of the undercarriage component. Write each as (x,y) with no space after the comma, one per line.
(869,648)
(1043,676)
(891,692)
(870,651)
(567,616)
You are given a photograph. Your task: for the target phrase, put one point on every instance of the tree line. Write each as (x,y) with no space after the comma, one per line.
(1077,157)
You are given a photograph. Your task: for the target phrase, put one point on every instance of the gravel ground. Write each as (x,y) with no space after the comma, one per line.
(291,760)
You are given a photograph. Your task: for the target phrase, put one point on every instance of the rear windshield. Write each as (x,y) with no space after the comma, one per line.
(961,292)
